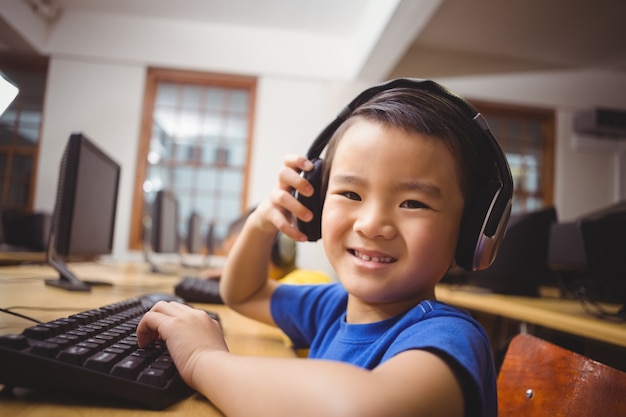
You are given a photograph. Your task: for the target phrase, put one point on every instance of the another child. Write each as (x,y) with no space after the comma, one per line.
(403,174)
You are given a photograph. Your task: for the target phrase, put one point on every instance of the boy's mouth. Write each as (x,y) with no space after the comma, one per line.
(368,258)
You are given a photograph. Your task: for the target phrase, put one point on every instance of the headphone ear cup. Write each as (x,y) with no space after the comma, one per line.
(313,228)
(476,248)
(283,252)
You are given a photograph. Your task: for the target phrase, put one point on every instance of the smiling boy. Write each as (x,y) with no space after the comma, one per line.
(406,170)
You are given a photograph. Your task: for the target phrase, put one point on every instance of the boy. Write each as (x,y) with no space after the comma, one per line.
(405,168)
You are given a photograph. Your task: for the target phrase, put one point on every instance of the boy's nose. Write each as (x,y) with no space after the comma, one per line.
(373,222)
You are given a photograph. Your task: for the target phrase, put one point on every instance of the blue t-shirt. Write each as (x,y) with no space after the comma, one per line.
(313,316)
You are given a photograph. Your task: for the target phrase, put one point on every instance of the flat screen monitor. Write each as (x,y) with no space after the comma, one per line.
(588,255)
(521,266)
(193,240)
(164,236)
(83,220)
(162,229)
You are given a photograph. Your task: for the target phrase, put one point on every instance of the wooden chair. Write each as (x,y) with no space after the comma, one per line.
(540,379)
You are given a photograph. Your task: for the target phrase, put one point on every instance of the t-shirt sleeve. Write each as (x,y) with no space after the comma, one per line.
(465,348)
(300,310)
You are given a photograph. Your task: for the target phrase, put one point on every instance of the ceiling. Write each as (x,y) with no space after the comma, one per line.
(459,38)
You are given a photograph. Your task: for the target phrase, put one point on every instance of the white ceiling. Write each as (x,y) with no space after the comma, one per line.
(438,38)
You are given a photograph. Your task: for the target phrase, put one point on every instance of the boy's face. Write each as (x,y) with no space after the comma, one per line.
(392,214)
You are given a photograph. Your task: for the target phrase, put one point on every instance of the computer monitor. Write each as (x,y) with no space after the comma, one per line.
(588,254)
(193,239)
(83,220)
(521,266)
(164,236)
(162,229)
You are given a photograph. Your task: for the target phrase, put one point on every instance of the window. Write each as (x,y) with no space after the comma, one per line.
(527,138)
(195,142)
(20,127)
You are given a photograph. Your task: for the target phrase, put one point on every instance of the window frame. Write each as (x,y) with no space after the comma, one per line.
(546,119)
(153,78)
(15,64)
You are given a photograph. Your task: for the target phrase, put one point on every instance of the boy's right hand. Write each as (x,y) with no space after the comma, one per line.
(281,208)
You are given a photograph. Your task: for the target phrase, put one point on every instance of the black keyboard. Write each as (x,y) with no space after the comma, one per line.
(95,352)
(198,290)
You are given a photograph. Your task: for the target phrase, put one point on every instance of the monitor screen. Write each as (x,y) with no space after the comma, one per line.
(164,236)
(83,221)
(521,266)
(193,240)
(588,252)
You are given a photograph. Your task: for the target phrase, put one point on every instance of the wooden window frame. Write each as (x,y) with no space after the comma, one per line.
(154,77)
(546,118)
(22,64)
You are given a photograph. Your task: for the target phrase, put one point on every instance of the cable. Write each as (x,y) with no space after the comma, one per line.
(592,307)
(7,311)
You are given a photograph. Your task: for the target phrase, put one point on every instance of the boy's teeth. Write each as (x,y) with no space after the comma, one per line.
(368,258)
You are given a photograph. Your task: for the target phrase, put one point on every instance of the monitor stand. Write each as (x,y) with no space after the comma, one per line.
(68,280)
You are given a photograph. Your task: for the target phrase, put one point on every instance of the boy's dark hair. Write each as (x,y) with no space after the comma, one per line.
(426,112)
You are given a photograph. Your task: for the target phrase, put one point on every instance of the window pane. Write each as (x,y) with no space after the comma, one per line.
(8,117)
(237,129)
(22,167)
(188,126)
(18,194)
(207,179)
(214,98)
(191,97)
(6,137)
(228,206)
(183,177)
(184,151)
(211,125)
(238,154)
(167,94)
(3,164)
(28,135)
(239,101)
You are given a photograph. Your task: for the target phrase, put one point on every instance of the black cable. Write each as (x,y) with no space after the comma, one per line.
(7,311)
(593,308)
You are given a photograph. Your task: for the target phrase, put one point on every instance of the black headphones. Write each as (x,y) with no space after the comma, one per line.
(485,218)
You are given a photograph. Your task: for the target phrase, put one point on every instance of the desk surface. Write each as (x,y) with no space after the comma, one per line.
(23,286)
(559,314)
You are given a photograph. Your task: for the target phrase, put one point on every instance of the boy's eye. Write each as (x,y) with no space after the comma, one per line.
(413,204)
(351,195)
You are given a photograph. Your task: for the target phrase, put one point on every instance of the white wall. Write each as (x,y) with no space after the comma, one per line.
(104,102)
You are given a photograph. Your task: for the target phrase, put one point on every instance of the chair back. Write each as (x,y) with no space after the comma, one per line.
(540,379)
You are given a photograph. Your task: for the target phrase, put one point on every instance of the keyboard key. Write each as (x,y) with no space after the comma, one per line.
(39,332)
(14,341)
(46,349)
(75,354)
(153,376)
(102,361)
(166,364)
(129,367)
